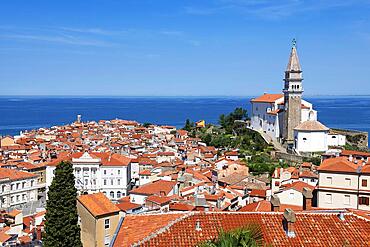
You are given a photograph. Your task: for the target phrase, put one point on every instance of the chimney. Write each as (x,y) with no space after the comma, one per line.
(307,198)
(350,158)
(197,226)
(288,222)
(341,215)
(275,203)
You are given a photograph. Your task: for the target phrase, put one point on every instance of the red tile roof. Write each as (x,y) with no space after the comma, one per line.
(311,229)
(338,164)
(13,174)
(98,204)
(155,188)
(267,98)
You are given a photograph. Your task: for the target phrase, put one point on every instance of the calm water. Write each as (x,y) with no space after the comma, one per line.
(20,113)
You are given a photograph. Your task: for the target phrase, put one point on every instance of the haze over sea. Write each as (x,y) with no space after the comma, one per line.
(19,113)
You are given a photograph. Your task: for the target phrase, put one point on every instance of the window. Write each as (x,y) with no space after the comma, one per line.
(329,198)
(118,194)
(106,223)
(111,194)
(12,199)
(3,188)
(18,198)
(364,182)
(105,172)
(18,184)
(12,187)
(23,197)
(31,183)
(304,139)
(347,200)
(347,181)
(119,181)
(105,182)
(119,172)
(86,182)
(362,200)
(330,180)
(23,185)
(111,182)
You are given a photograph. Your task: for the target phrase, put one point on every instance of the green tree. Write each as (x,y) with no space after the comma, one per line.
(188,125)
(61,226)
(249,236)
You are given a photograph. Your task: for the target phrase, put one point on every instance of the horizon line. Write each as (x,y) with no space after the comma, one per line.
(164,96)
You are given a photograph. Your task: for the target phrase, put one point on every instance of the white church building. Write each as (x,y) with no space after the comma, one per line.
(289,119)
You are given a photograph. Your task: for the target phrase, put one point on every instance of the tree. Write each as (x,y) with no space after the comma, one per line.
(61,226)
(249,236)
(188,125)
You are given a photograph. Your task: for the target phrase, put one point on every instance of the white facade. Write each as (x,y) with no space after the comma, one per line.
(19,191)
(290,197)
(92,176)
(336,140)
(344,190)
(268,116)
(311,141)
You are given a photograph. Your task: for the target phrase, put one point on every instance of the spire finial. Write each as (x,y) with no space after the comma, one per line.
(294,42)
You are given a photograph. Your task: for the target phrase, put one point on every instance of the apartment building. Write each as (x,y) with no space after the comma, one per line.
(94,172)
(344,182)
(17,187)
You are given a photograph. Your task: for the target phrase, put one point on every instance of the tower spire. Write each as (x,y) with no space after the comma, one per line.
(293,63)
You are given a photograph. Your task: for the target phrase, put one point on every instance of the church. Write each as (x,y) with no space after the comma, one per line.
(288,118)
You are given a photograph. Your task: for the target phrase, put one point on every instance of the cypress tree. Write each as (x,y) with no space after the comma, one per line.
(61,226)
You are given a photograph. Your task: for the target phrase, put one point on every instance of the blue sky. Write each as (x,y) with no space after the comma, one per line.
(190,47)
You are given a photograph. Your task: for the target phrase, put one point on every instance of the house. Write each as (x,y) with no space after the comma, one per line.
(344,182)
(17,187)
(99,218)
(292,194)
(159,188)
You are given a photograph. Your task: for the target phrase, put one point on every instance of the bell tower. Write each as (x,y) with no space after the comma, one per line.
(292,95)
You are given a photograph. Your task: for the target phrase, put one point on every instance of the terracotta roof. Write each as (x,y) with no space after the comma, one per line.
(136,227)
(13,174)
(338,164)
(311,229)
(177,206)
(298,186)
(154,188)
(98,204)
(267,98)
(127,205)
(265,206)
(161,200)
(311,125)
(354,153)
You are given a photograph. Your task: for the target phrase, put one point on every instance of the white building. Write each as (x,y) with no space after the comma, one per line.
(98,172)
(285,117)
(17,187)
(311,136)
(344,184)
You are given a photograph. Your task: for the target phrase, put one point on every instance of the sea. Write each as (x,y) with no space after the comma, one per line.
(19,113)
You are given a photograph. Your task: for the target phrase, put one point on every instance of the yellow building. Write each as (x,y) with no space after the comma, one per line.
(201,124)
(99,219)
